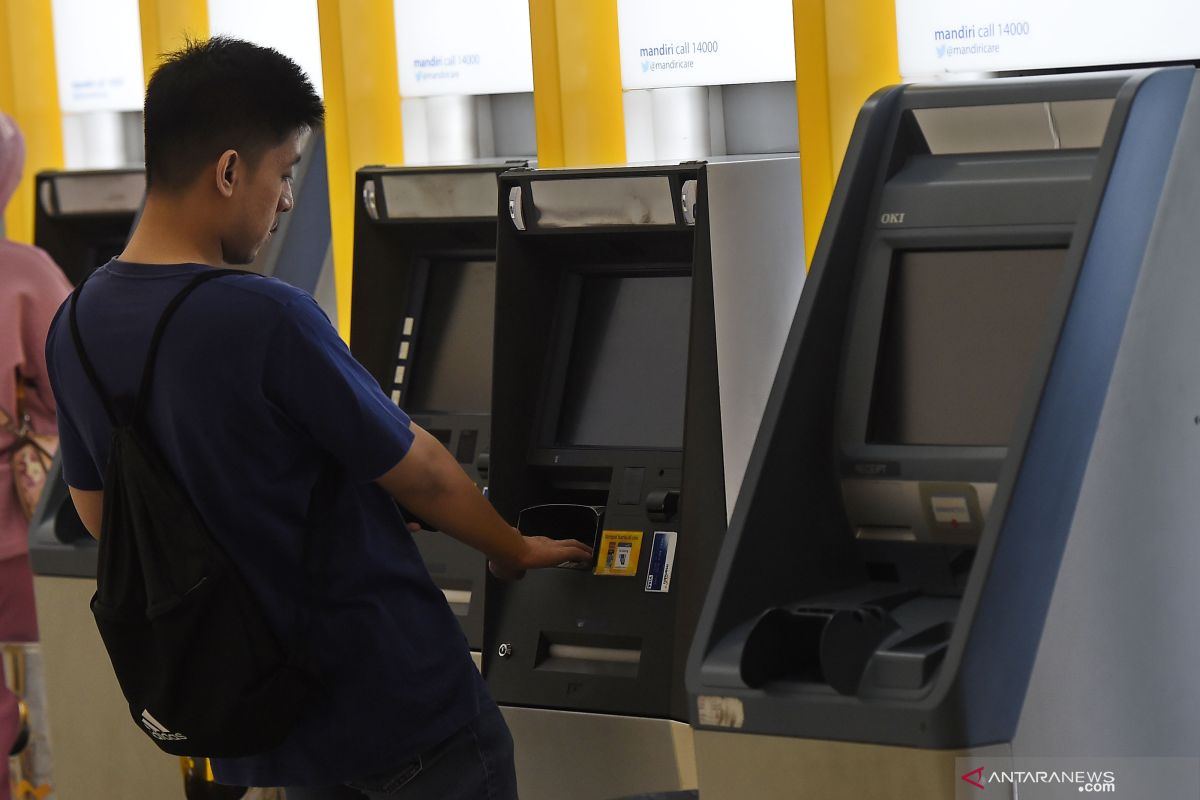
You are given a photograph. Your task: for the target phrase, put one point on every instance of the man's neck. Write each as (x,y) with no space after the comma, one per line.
(170,232)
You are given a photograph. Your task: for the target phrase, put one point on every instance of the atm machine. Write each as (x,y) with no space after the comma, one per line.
(83,217)
(640,314)
(83,699)
(421,323)
(962,561)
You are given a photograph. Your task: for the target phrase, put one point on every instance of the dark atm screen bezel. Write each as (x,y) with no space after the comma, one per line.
(545,446)
(869,301)
(428,265)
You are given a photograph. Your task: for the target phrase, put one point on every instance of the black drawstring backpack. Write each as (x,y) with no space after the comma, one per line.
(203,672)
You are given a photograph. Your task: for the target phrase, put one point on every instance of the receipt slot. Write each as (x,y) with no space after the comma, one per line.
(978,455)
(640,313)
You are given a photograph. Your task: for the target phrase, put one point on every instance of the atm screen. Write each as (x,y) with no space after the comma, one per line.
(960,332)
(452,359)
(627,375)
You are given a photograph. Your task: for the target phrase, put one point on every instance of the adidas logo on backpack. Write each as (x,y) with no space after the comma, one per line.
(156,729)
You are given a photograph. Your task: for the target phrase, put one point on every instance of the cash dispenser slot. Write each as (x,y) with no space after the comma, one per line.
(589,654)
(459,600)
(458,595)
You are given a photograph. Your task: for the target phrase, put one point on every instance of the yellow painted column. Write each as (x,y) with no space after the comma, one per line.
(547,93)
(812,106)
(362,115)
(863,57)
(845,51)
(167,25)
(29,94)
(577,95)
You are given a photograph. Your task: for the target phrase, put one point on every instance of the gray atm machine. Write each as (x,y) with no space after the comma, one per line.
(640,313)
(421,322)
(84,231)
(964,550)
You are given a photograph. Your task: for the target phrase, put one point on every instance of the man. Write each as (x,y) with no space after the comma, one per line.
(254,396)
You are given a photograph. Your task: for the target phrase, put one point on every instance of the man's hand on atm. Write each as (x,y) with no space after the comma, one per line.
(429,482)
(540,551)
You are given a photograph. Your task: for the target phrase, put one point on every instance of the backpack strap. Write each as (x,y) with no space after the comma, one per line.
(143,395)
(88,369)
(152,355)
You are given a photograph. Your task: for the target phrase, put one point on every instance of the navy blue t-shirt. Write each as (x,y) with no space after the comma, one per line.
(254,393)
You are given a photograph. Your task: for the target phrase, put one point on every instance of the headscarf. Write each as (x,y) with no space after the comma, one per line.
(12,158)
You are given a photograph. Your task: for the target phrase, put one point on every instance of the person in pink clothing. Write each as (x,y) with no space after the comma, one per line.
(31,289)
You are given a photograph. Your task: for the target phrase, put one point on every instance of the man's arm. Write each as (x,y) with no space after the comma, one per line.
(429,482)
(90,506)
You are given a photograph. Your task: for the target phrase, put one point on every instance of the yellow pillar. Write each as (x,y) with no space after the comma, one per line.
(29,93)
(577,101)
(812,105)
(547,96)
(845,50)
(362,115)
(863,57)
(167,25)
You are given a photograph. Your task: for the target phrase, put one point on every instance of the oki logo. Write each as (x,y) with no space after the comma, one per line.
(892,219)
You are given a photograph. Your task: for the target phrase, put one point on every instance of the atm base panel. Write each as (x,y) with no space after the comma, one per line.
(567,754)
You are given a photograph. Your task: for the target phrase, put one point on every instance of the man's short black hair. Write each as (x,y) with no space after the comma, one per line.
(217,95)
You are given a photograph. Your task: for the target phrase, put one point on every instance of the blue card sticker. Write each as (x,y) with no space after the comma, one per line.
(662,560)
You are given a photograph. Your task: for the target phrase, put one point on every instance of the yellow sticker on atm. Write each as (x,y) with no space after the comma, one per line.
(618,553)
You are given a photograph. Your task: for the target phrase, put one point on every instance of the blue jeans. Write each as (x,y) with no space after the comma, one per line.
(474,764)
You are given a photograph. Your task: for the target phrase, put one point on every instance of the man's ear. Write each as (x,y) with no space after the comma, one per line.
(226,174)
